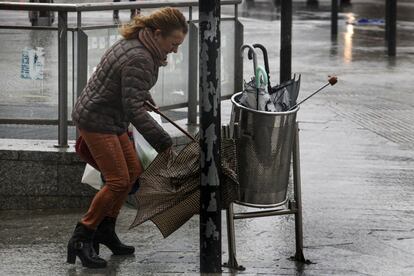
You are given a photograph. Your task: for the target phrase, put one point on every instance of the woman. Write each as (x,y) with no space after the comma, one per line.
(115,96)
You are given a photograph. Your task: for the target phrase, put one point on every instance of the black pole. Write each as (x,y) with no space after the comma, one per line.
(334,18)
(312,3)
(63,79)
(391,26)
(210,133)
(286,41)
(387,19)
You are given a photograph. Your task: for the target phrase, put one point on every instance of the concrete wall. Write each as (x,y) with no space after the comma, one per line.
(34,174)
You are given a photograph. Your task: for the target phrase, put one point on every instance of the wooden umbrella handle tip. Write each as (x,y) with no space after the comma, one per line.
(333,79)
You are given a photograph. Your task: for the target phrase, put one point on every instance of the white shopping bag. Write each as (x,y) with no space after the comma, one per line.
(146,153)
(92,177)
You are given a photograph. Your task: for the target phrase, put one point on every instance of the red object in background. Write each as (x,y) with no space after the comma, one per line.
(82,150)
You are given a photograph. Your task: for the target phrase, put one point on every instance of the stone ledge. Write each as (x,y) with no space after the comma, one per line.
(37,150)
(35,174)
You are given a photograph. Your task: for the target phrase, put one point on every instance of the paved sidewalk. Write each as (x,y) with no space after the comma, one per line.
(357,166)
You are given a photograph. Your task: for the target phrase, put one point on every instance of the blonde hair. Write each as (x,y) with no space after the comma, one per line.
(165,19)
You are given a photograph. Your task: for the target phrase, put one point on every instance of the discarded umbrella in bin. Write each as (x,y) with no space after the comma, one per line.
(332,80)
(255,93)
(266,62)
(156,110)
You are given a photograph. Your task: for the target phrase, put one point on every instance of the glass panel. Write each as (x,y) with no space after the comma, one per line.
(172,86)
(34,132)
(29,77)
(195,14)
(228,11)
(227,57)
(98,42)
(29,66)
(29,74)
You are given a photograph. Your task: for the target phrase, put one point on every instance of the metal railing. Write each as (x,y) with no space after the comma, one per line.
(80,53)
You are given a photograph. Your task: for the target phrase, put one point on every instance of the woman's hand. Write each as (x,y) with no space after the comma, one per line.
(168,150)
(150,106)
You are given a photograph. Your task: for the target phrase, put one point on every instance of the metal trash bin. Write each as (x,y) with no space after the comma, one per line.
(264,149)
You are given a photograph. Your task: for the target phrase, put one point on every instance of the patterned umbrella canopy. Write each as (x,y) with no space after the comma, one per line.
(169,193)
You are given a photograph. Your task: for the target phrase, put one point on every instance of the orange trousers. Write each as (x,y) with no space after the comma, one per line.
(119,164)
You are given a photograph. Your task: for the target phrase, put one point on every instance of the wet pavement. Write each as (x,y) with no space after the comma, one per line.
(357,168)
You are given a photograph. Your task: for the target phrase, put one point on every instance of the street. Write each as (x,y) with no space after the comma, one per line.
(357,160)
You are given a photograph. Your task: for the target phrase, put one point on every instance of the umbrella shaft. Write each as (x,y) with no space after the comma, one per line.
(293,107)
(155,109)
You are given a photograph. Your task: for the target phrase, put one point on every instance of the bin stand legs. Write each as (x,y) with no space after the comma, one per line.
(294,207)
(298,198)
(232,263)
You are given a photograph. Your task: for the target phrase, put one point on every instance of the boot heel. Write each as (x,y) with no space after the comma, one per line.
(96,247)
(71,259)
(81,245)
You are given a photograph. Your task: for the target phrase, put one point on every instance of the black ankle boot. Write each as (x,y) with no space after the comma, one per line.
(105,234)
(80,244)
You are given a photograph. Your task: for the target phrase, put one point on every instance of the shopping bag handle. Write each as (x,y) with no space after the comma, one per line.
(156,110)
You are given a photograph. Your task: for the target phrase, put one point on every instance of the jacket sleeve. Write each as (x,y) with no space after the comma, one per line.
(136,78)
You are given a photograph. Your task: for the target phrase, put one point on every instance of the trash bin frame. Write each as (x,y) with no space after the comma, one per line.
(293,206)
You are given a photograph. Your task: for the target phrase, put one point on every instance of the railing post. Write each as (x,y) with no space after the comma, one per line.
(286,41)
(81,59)
(238,60)
(63,79)
(192,73)
(298,196)
(210,136)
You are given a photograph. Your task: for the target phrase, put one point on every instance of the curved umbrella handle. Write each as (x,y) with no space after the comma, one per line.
(266,62)
(251,50)
(265,56)
(261,72)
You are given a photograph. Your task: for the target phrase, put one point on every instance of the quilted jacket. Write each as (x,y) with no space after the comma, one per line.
(115,94)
